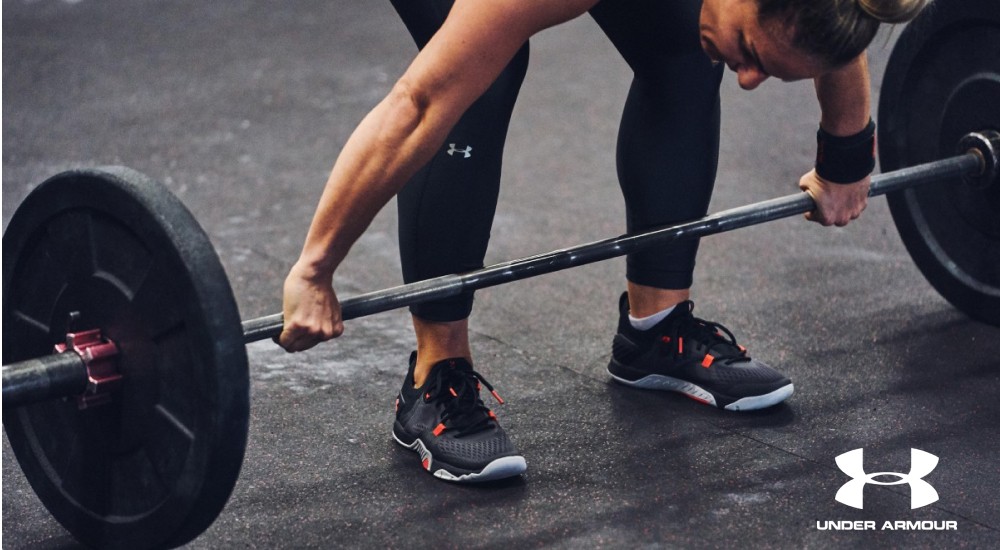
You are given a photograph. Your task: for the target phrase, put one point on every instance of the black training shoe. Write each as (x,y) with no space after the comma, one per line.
(698,358)
(457,436)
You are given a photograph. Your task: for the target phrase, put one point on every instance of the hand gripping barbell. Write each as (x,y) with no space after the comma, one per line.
(125,384)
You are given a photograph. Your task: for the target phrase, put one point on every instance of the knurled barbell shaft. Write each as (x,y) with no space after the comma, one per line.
(65,374)
(452,285)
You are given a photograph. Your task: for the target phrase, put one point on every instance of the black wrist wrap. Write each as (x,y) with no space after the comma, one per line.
(845,159)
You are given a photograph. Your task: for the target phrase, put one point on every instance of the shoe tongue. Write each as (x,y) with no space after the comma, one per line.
(683,309)
(718,345)
(468,415)
(452,373)
(457,364)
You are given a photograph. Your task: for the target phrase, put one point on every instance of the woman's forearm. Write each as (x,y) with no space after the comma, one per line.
(392,142)
(845,98)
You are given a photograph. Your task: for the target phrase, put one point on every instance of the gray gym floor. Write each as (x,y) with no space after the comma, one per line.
(241,107)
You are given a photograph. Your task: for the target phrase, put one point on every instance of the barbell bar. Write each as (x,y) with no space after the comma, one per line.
(72,372)
(977,165)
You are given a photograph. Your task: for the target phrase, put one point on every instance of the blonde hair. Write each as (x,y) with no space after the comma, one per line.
(835,31)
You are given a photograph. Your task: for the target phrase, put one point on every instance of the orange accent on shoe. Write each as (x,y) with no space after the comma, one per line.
(493,415)
(438,429)
(666,339)
(497,396)
(427,464)
(707,361)
(680,344)
(743,349)
(453,393)
(397,404)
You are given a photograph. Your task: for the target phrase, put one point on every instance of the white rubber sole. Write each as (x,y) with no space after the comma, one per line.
(762,401)
(667,383)
(501,468)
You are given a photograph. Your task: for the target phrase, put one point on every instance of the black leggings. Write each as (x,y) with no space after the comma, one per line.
(667,152)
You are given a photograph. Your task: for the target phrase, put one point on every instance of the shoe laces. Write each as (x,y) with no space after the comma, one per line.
(718,340)
(456,386)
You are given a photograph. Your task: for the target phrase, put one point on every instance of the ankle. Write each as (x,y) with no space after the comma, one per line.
(647,301)
(437,342)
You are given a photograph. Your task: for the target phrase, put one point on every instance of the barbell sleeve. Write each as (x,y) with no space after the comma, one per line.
(41,378)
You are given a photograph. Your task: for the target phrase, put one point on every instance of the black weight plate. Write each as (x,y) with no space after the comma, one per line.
(154,467)
(943,81)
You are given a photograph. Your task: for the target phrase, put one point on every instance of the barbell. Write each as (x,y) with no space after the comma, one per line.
(125,378)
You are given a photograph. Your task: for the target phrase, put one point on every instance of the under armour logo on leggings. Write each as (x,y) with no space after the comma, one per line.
(921,492)
(467,151)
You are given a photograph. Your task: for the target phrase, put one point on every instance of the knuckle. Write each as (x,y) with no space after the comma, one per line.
(299,330)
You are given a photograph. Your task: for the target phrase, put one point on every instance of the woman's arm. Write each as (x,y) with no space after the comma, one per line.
(475,43)
(845,103)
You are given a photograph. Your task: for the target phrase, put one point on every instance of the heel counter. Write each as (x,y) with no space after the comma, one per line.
(624,350)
